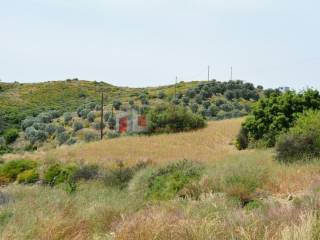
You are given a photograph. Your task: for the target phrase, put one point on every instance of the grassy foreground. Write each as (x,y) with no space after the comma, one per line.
(284,199)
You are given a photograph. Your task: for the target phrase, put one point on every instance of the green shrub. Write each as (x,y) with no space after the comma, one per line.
(106,116)
(11,169)
(5,149)
(161,95)
(62,137)
(10,135)
(67,117)
(90,136)
(50,129)
(121,175)
(39,126)
(169,118)
(113,134)
(167,181)
(112,122)
(86,172)
(91,116)
(242,140)
(28,176)
(277,113)
(71,141)
(34,135)
(28,122)
(194,107)
(117,104)
(302,141)
(77,126)
(57,174)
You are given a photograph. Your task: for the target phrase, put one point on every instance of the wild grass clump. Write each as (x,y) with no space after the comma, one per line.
(167,181)
(86,172)
(121,175)
(239,178)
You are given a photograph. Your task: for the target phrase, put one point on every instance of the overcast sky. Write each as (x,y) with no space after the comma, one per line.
(148,42)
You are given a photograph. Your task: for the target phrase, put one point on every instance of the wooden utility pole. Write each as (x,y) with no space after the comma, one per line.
(101,122)
(175,88)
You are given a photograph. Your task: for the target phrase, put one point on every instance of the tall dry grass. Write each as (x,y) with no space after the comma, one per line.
(210,144)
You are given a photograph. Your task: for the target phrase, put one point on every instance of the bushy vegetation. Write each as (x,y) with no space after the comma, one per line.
(169,118)
(10,135)
(77,126)
(167,181)
(121,175)
(28,176)
(12,169)
(302,141)
(277,113)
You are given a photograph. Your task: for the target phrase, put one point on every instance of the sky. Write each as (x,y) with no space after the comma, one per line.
(141,43)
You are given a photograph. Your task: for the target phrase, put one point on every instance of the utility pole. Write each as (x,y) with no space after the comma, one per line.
(231,73)
(208,73)
(175,88)
(101,122)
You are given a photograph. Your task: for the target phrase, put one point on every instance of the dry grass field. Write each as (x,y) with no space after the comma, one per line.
(284,205)
(207,145)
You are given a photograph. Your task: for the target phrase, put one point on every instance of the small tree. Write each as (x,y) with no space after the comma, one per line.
(77,126)
(117,104)
(10,135)
(67,117)
(91,116)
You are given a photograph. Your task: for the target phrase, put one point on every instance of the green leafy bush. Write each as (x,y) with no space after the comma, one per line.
(242,141)
(56,174)
(28,176)
(169,118)
(34,135)
(113,134)
(117,104)
(10,135)
(77,126)
(5,149)
(277,113)
(167,181)
(302,141)
(11,169)
(67,117)
(62,137)
(50,129)
(91,116)
(90,136)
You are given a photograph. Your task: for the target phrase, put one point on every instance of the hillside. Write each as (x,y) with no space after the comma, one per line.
(53,108)
(17,100)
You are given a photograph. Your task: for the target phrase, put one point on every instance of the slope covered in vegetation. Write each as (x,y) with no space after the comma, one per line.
(66,112)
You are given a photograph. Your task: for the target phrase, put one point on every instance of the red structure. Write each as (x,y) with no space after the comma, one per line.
(123,124)
(142,122)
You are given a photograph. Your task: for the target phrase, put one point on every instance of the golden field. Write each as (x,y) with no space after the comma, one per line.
(207,145)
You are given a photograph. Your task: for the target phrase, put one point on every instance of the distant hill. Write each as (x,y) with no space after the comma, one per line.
(67,112)
(18,100)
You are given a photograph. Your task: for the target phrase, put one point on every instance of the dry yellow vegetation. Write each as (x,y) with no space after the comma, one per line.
(209,144)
